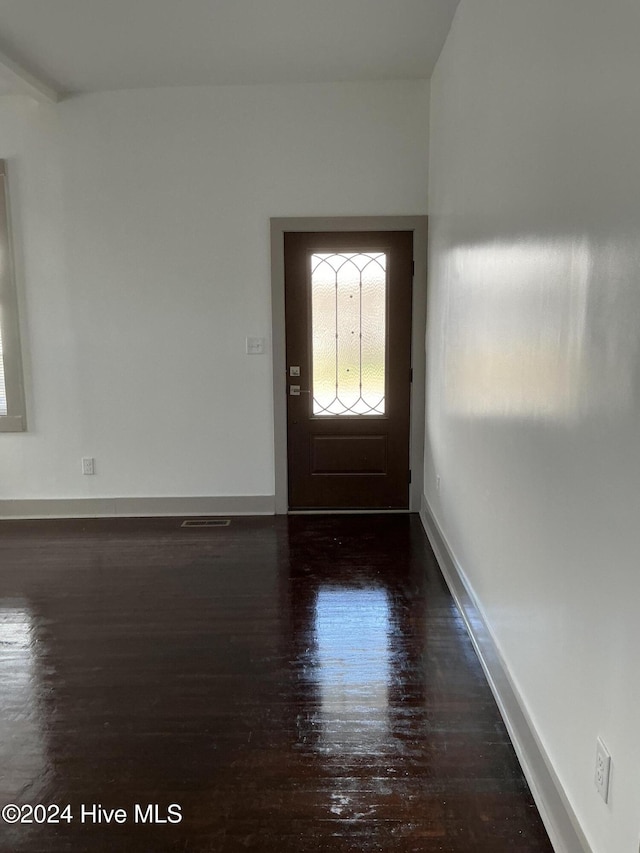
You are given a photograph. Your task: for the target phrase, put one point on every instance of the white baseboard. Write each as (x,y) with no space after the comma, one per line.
(559,818)
(137,507)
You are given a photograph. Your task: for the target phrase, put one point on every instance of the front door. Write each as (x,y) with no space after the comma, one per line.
(348,344)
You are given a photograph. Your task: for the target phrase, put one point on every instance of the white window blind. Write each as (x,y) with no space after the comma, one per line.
(3,390)
(12,414)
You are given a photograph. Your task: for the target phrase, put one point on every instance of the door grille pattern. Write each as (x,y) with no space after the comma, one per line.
(348,307)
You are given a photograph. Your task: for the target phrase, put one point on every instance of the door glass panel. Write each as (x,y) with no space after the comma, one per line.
(348,309)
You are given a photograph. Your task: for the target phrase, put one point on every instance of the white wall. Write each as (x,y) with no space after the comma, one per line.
(534,380)
(142,231)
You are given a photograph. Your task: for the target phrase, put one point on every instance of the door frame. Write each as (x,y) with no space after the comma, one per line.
(416,224)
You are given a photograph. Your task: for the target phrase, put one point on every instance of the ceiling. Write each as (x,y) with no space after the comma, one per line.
(76,46)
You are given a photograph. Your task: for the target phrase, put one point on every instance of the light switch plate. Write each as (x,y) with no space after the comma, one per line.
(255,346)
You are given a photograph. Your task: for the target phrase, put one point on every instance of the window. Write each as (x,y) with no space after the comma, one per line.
(12,417)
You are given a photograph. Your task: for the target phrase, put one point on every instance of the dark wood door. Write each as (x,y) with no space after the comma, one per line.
(348,330)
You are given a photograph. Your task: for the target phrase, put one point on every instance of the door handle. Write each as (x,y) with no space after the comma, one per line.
(295,391)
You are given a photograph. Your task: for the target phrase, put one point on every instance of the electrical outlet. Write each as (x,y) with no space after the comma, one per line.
(88,465)
(603,770)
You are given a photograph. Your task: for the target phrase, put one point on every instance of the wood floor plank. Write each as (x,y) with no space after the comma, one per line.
(301,684)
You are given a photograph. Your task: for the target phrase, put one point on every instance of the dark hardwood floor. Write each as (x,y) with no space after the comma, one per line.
(293,685)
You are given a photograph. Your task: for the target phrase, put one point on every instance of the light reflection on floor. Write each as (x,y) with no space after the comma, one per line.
(352,632)
(352,627)
(21,735)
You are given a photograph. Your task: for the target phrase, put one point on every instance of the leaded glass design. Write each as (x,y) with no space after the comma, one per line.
(348,310)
